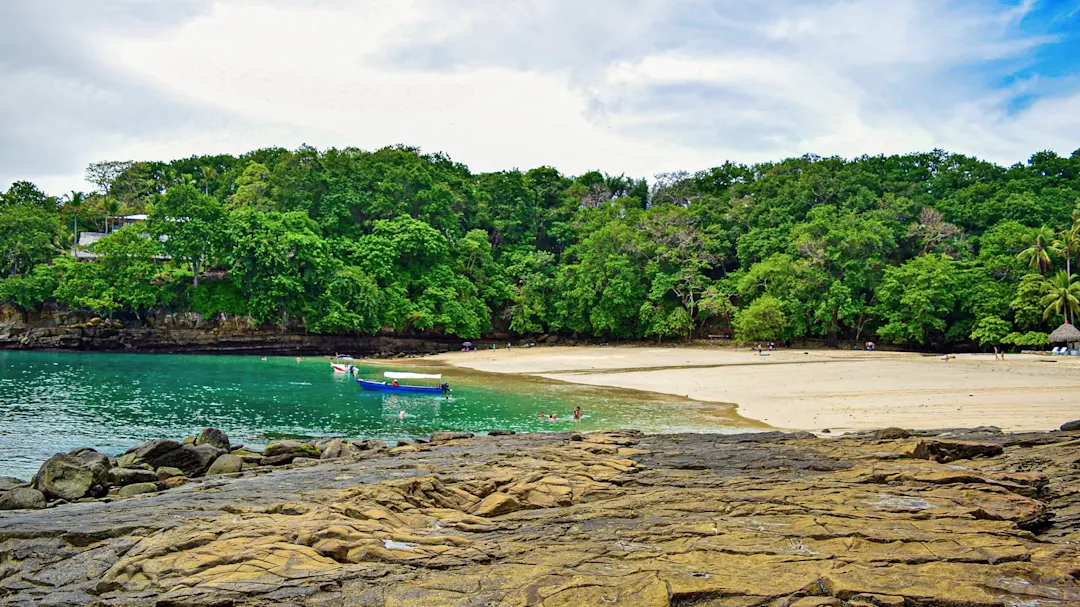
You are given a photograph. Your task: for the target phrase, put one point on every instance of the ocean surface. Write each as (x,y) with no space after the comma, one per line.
(56,401)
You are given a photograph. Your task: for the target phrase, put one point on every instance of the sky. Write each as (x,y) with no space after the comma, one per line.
(623,86)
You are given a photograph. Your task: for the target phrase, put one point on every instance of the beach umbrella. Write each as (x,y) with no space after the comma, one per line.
(1066,333)
(467,344)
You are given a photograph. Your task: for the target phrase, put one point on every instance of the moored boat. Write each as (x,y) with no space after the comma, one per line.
(338,368)
(382,386)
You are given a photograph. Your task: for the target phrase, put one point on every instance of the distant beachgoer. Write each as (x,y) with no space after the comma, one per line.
(577,414)
(997,353)
(945,357)
(297,359)
(401,415)
(264,358)
(507,346)
(543,415)
(394,383)
(552,418)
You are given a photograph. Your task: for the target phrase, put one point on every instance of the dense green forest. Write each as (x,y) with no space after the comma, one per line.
(925,250)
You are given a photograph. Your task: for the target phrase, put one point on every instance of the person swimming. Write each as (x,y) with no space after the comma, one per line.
(552,418)
(401,415)
(578,414)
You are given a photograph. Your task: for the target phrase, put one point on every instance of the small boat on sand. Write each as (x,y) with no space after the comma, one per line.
(383,386)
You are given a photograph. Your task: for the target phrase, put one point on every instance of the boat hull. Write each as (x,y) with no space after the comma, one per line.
(378,386)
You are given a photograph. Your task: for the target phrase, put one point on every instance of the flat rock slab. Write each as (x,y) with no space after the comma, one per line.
(607,519)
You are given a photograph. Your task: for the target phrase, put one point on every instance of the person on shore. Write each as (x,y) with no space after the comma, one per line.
(507,346)
(997,353)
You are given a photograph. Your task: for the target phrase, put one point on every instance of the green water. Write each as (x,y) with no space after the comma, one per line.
(56,401)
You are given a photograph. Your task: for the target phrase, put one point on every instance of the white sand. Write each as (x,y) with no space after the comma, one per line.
(812,390)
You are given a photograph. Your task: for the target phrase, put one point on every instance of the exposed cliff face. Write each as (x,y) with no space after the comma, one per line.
(610,518)
(193,333)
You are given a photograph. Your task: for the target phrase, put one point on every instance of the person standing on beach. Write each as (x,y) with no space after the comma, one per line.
(996,353)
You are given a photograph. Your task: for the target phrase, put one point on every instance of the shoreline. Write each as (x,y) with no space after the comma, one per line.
(815,390)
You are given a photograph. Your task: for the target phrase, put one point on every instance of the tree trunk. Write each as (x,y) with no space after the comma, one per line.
(75,232)
(195,271)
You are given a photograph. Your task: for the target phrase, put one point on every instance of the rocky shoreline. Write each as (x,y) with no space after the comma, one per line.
(972,518)
(194,334)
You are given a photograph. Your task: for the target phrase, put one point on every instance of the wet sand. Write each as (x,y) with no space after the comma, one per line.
(818,389)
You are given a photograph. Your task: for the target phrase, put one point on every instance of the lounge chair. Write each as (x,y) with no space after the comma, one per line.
(1055,351)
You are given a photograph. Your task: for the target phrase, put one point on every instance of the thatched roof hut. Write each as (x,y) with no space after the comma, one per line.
(1066,333)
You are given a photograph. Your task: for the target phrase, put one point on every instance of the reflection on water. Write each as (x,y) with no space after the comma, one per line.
(56,401)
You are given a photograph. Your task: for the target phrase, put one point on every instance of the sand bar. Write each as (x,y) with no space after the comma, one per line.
(817,389)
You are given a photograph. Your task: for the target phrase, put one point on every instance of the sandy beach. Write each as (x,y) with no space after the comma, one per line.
(818,389)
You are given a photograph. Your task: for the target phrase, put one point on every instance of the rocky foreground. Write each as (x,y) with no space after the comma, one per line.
(961,518)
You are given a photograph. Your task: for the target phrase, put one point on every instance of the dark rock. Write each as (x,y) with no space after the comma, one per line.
(335,448)
(152,450)
(10,482)
(294,447)
(826,431)
(1071,426)
(405,442)
(369,445)
(22,498)
(213,437)
(439,437)
(226,464)
(577,436)
(137,489)
(70,477)
(277,460)
(166,453)
(129,476)
(891,434)
(944,452)
(164,473)
(501,433)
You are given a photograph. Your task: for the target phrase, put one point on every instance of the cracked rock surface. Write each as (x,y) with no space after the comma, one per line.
(614,518)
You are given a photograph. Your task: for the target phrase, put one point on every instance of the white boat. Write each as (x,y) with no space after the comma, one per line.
(338,368)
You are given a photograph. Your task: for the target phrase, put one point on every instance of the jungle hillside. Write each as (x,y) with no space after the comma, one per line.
(927,250)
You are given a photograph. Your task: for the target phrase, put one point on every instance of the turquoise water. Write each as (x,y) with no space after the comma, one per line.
(56,401)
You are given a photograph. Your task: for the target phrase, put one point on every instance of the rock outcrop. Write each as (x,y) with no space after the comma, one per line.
(70,476)
(613,518)
(191,332)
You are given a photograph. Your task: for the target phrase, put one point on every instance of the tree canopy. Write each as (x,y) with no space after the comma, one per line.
(924,250)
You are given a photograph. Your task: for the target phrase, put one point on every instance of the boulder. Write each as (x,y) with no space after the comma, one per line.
(441,437)
(294,447)
(213,437)
(496,504)
(10,482)
(248,456)
(891,434)
(176,481)
(226,464)
(66,476)
(944,452)
(370,444)
(167,453)
(335,448)
(277,460)
(164,473)
(130,476)
(1071,426)
(189,440)
(137,489)
(22,498)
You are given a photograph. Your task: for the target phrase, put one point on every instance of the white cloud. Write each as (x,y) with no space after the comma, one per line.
(635,87)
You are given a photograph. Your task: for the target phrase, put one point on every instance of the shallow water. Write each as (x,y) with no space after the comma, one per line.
(56,401)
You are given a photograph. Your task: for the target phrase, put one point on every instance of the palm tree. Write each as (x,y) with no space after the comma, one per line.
(208,173)
(75,200)
(1067,242)
(112,209)
(1037,255)
(1061,296)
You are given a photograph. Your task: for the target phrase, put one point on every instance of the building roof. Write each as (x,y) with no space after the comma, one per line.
(138,217)
(1065,333)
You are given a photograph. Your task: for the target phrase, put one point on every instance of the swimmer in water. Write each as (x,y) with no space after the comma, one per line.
(552,418)
(401,415)
(543,415)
